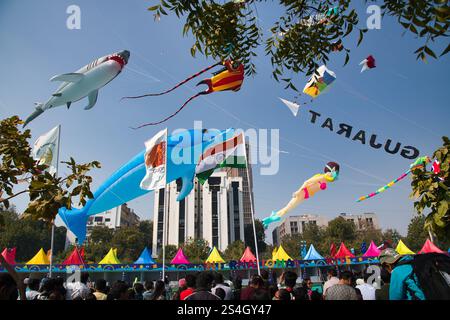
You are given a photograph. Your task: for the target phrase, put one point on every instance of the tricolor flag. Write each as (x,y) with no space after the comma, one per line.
(229,153)
(155,162)
(45,150)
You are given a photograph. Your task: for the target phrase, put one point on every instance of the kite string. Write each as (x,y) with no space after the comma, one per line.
(177,85)
(173,114)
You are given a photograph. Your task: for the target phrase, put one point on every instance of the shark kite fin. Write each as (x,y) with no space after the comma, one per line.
(92,99)
(68,77)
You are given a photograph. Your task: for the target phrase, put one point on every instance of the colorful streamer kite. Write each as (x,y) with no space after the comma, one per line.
(418,164)
(319,82)
(230,77)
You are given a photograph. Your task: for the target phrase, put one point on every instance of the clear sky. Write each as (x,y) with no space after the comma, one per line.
(402,99)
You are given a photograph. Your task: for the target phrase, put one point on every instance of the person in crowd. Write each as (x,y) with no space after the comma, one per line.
(138,289)
(367,290)
(343,290)
(316,296)
(358,293)
(282,294)
(383,292)
(119,291)
(218,281)
(148,285)
(8,287)
(203,288)
(404,285)
(190,286)
(237,288)
(159,293)
(332,279)
(78,288)
(181,287)
(265,278)
(256,282)
(261,294)
(100,289)
(59,286)
(290,280)
(33,288)
(131,294)
(91,297)
(220,293)
(46,289)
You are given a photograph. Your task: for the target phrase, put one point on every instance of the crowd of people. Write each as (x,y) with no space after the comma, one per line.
(395,281)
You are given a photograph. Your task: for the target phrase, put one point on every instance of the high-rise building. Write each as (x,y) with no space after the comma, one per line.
(362,221)
(120,216)
(216,211)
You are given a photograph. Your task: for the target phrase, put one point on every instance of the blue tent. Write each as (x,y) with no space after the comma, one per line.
(312,254)
(145,258)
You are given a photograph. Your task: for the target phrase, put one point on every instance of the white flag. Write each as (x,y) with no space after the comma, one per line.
(292,106)
(155,162)
(45,150)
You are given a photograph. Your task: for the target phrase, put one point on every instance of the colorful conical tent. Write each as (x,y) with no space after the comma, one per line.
(145,257)
(372,251)
(180,258)
(214,257)
(430,247)
(281,255)
(312,254)
(9,255)
(248,256)
(39,258)
(111,257)
(274,253)
(403,249)
(343,252)
(75,258)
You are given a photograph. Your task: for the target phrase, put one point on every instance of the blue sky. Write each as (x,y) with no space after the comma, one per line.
(402,99)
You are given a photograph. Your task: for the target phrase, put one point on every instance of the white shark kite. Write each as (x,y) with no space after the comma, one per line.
(84,83)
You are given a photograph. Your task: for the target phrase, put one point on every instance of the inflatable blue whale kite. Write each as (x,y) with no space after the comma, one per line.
(124,184)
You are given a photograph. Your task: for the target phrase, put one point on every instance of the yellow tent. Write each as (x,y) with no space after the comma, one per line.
(214,257)
(403,249)
(111,257)
(39,258)
(274,253)
(281,255)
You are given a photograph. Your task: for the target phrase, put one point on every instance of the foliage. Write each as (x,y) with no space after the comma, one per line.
(47,192)
(303,37)
(417,235)
(340,229)
(146,228)
(28,236)
(234,251)
(129,242)
(430,192)
(196,250)
(260,236)
(171,251)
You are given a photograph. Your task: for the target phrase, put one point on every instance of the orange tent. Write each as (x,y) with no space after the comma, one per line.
(343,252)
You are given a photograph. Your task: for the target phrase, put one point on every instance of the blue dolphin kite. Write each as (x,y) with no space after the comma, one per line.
(183,150)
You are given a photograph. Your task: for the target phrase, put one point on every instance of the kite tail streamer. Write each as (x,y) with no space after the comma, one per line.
(176,86)
(390,184)
(173,114)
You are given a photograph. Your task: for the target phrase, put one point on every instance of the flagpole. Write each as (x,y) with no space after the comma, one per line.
(53,223)
(166,209)
(251,207)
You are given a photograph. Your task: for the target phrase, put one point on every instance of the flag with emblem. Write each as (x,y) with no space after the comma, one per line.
(224,154)
(45,150)
(155,162)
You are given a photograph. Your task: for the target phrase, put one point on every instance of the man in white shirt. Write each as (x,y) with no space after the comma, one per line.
(367,290)
(218,280)
(79,289)
(332,280)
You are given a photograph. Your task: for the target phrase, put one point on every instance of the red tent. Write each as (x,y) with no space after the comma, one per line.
(248,256)
(75,258)
(343,252)
(332,250)
(9,255)
(429,247)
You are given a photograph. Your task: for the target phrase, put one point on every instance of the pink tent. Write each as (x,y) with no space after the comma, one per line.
(75,258)
(373,251)
(248,256)
(9,255)
(430,247)
(343,252)
(180,258)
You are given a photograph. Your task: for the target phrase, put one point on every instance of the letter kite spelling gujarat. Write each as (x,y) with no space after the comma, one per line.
(230,77)
(309,188)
